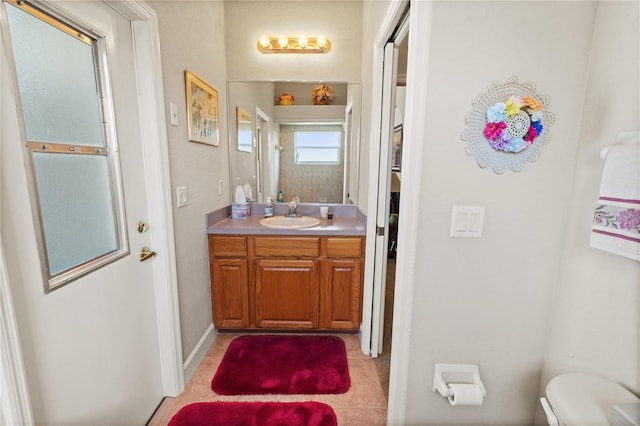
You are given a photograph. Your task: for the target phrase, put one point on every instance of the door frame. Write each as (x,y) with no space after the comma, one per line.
(263,149)
(383,196)
(15,403)
(155,150)
(378,145)
(409,235)
(414,127)
(146,39)
(347,147)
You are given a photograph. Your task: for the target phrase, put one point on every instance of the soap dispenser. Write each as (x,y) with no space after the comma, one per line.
(268,208)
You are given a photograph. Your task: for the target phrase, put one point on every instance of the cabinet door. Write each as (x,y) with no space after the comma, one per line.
(287,293)
(340,294)
(230,293)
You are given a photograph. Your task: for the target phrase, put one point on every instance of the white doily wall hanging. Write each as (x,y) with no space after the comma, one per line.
(507,126)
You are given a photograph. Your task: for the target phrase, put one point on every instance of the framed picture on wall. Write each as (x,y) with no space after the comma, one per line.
(396,159)
(202,110)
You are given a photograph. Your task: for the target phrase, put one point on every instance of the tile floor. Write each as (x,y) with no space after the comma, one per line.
(364,404)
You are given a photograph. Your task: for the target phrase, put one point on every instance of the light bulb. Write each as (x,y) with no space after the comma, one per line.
(265,42)
(322,41)
(283,42)
(302,41)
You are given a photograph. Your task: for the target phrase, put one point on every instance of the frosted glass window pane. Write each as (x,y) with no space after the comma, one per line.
(317,139)
(77,208)
(57,81)
(317,147)
(317,156)
(244,140)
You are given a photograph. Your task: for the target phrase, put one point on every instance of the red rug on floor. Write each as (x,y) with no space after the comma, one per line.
(255,414)
(255,365)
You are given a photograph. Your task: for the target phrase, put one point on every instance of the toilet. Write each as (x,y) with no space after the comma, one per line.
(586,399)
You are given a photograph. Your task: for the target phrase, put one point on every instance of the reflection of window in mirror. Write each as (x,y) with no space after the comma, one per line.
(311,164)
(245,131)
(317,147)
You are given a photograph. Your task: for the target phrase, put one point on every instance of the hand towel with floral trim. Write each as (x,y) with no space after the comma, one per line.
(616,222)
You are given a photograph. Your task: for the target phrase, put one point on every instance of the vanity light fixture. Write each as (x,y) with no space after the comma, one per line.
(297,44)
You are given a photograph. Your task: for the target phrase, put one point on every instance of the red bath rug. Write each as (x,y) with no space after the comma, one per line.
(283,365)
(255,414)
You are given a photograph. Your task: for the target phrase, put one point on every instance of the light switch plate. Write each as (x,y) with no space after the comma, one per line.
(174,114)
(467,221)
(181,196)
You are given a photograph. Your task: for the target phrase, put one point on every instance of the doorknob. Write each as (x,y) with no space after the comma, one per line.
(146,254)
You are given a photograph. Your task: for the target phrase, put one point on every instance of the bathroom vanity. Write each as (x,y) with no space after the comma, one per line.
(287,279)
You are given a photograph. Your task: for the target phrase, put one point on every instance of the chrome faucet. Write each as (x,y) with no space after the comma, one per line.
(293,205)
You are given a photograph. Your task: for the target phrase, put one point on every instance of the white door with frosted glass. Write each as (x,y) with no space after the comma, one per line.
(102,360)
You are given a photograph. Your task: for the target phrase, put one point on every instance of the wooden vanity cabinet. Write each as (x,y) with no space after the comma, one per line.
(229,272)
(286,282)
(286,293)
(341,283)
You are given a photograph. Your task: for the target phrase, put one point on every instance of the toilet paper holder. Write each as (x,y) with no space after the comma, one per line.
(456,373)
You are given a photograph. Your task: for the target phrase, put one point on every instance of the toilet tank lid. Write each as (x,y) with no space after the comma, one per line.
(580,398)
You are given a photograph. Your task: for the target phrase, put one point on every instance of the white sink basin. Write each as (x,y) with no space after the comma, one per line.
(283,222)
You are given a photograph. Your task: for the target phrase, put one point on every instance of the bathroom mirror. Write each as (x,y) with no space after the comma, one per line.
(245,130)
(274,159)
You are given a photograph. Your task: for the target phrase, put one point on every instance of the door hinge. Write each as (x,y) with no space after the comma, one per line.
(380,231)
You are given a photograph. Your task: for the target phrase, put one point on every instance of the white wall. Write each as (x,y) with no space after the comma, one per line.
(487,300)
(340,21)
(596,321)
(373,14)
(192,38)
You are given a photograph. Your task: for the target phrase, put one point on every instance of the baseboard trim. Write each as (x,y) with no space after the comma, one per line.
(197,354)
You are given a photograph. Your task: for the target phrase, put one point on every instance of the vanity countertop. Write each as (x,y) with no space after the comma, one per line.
(347,221)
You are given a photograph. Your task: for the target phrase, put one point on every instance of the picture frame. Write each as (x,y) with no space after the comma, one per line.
(396,160)
(244,127)
(203,117)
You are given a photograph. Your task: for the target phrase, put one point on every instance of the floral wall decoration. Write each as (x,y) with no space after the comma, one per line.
(507,126)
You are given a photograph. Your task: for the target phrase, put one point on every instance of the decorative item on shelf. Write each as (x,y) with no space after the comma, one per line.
(322,94)
(507,125)
(286,99)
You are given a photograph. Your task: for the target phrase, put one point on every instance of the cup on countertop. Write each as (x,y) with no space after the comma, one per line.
(324,212)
